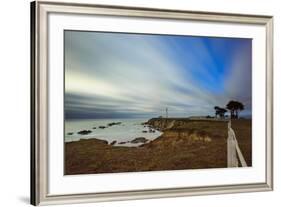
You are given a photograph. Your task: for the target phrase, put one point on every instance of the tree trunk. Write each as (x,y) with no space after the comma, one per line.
(232,114)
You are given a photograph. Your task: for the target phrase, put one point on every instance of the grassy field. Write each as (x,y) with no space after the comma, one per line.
(187,145)
(243,131)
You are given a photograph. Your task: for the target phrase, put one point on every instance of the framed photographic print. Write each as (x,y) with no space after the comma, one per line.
(133,103)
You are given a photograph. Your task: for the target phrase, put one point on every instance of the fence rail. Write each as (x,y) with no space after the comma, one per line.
(233,150)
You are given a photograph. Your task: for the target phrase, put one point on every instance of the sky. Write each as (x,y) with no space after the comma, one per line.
(122,75)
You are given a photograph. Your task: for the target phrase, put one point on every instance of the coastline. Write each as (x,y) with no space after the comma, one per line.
(117,131)
(184,144)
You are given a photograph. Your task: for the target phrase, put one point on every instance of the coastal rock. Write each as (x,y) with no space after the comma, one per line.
(144,131)
(84,132)
(70,133)
(122,142)
(94,127)
(114,123)
(139,140)
(102,127)
(113,143)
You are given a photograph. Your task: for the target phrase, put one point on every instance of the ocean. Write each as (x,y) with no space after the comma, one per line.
(123,131)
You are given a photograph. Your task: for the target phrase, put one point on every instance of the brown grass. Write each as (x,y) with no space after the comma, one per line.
(188,145)
(243,131)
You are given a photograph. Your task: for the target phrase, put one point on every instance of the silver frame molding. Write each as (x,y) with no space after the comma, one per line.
(39,100)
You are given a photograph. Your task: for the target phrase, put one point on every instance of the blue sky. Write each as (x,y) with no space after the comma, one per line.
(119,75)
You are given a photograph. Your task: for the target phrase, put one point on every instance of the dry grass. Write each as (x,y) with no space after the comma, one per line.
(243,131)
(188,145)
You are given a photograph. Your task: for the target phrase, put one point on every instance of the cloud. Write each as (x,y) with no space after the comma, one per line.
(125,75)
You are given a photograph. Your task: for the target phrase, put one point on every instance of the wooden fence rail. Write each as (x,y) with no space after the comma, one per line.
(233,150)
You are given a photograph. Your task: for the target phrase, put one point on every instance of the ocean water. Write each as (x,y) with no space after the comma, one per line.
(128,130)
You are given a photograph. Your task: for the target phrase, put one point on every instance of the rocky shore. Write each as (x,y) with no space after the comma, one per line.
(184,144)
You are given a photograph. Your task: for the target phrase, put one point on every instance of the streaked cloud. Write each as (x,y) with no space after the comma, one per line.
(129,75)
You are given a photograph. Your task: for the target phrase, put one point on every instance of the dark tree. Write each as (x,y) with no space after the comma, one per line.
(220,112)
(217,111)
(234,107)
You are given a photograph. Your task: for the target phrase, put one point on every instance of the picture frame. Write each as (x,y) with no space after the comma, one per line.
(41,137)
